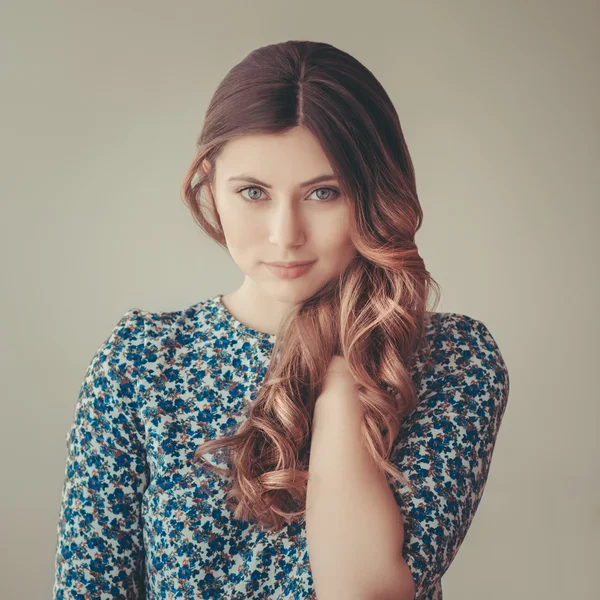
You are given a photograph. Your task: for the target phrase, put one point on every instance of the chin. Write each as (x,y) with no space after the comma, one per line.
(288,296)
(292,292)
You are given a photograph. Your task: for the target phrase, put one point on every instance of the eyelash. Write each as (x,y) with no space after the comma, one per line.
(254,187)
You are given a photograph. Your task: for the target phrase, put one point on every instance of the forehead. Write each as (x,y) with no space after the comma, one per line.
(294,155)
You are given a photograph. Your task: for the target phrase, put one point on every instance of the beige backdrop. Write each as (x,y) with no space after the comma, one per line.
(101,107)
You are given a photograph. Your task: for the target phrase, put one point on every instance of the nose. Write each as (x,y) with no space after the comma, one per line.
(287,229)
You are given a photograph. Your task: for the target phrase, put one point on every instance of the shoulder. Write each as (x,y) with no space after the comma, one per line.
(137,324)
(454,335)
(108,395)
(459,351)
(123,345)
(167,338)
(116,364)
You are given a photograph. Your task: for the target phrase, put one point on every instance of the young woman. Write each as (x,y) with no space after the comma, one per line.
(318,432)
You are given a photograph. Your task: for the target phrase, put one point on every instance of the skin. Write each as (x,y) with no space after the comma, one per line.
(284,223)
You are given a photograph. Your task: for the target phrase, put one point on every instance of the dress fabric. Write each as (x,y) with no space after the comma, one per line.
(139,519)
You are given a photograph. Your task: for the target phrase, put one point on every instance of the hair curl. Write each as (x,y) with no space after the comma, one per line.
(373,313)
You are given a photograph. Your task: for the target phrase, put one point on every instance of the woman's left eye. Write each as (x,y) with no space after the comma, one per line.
(332,194)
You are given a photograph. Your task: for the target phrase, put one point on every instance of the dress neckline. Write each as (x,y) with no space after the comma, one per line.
(238,325)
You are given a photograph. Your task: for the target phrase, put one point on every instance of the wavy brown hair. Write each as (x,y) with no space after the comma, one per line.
(373,314)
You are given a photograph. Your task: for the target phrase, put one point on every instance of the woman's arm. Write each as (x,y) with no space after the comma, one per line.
(354,528)
(99,551)
(445,446)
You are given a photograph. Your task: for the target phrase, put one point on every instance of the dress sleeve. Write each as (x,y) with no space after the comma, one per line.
(445,446)
(99,551)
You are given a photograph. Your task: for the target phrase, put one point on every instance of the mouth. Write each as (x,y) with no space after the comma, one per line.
(290,272)
(290,264)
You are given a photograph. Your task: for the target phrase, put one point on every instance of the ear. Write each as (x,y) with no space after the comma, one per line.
(206,166)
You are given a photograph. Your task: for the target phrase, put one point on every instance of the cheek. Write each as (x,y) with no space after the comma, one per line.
(345,251)
(335,241)
(237,229)
(243,241)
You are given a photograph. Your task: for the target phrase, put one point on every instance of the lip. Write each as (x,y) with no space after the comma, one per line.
(289,272)
(290,264)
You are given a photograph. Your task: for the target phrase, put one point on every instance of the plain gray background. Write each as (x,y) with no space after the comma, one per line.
(101,107)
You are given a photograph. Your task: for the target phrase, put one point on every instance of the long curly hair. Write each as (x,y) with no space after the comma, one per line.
(373,314)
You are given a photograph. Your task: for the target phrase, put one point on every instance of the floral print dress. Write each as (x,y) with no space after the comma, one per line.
(139,519)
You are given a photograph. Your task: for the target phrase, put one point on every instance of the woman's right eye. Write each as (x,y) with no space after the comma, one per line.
(249,188)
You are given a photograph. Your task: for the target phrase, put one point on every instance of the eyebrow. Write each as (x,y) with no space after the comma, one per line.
(318,179)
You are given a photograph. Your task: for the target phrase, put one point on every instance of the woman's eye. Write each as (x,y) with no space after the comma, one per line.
(332,193)
(254,192)
(253,189)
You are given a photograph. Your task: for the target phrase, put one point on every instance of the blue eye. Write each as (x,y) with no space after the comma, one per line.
(332,196)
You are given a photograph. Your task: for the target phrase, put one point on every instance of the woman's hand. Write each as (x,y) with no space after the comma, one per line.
(338,378)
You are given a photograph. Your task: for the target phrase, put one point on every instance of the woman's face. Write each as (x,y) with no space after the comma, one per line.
(270,212)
